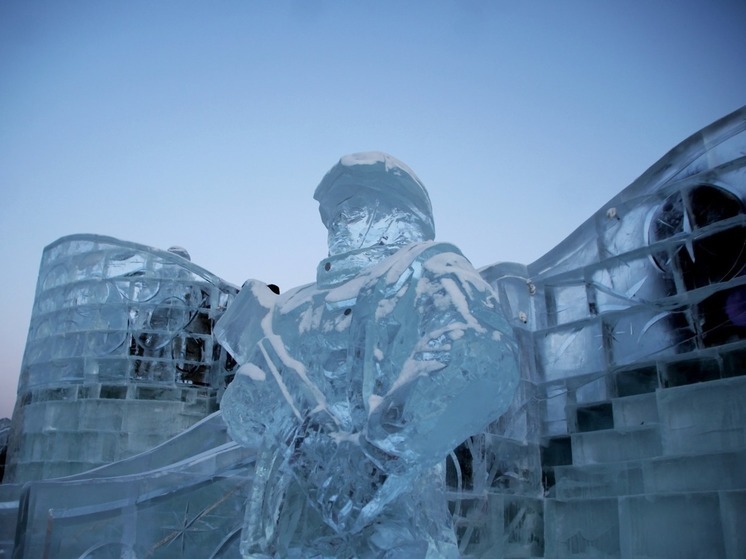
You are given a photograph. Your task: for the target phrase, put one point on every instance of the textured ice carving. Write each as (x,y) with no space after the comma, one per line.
(355,388)
(628,421)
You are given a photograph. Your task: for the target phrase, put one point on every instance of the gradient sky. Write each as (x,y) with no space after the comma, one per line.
(209,124)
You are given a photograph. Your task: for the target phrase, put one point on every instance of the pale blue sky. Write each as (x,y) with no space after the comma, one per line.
(209,124)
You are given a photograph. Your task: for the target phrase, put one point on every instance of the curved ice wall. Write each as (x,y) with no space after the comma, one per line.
(120,355)
(633,348)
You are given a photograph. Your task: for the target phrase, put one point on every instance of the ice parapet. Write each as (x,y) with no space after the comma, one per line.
(357,387)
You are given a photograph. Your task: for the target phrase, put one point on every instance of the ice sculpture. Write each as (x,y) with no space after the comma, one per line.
(626,437)
(357,387)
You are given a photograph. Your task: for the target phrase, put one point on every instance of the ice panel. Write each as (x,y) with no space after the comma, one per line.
(9,496)
(705,417)
(515,293)
(639,380)
(689,371)
(722,316)
(143,417)
(733,362)
(671,526)
(622,227)
(556,452)
(724,152)
(60,416)
(593,388)
(615,446)
(733,517)
(526,355)
(552,400)
(513,468)
(587,529)
(499,526)
(708,472)
(477,522)
(647,334)
(715,222)
(33,418)
(635,411)
(566,303)
(594,417)
(597,481)
(629,283)
(555,428)
(570,351)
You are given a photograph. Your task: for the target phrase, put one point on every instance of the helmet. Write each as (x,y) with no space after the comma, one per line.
(379,175)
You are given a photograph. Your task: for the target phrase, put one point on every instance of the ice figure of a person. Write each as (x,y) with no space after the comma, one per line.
(355,388)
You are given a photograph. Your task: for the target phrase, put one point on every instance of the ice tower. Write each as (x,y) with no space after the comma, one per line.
(119,358)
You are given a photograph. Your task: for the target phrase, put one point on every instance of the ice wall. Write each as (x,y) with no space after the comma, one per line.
(183,498)
(119,357)
(632,335)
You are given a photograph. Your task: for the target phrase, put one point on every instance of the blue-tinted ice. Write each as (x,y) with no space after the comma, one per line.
(627,424)
(356,388)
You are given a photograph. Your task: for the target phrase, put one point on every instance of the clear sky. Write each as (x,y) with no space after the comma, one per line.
(209,124)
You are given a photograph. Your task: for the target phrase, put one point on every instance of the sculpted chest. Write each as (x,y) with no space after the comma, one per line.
(317,332)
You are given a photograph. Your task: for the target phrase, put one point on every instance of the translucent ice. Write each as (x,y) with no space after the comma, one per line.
(356,387)
(626,436)
(120,355)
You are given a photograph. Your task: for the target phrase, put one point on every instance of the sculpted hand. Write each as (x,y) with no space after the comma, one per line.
(335,474)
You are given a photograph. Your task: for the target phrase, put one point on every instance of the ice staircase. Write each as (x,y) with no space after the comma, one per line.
(658,474)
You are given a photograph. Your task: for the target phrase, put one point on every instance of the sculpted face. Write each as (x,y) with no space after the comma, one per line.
(365,221)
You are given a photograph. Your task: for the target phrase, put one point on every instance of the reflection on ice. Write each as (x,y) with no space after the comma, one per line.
(379,411)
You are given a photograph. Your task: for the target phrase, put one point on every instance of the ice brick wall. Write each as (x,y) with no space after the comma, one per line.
(120,355)
(633,338)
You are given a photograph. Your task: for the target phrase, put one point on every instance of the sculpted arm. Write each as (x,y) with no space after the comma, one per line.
(252,404)
(458,375)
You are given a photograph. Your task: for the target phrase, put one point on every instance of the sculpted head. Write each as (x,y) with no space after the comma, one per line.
(370,199)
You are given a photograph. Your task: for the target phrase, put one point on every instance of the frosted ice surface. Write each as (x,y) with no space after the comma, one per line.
(356,387)
(627,423)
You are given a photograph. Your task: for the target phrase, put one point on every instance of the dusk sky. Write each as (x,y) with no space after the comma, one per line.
(209,124)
